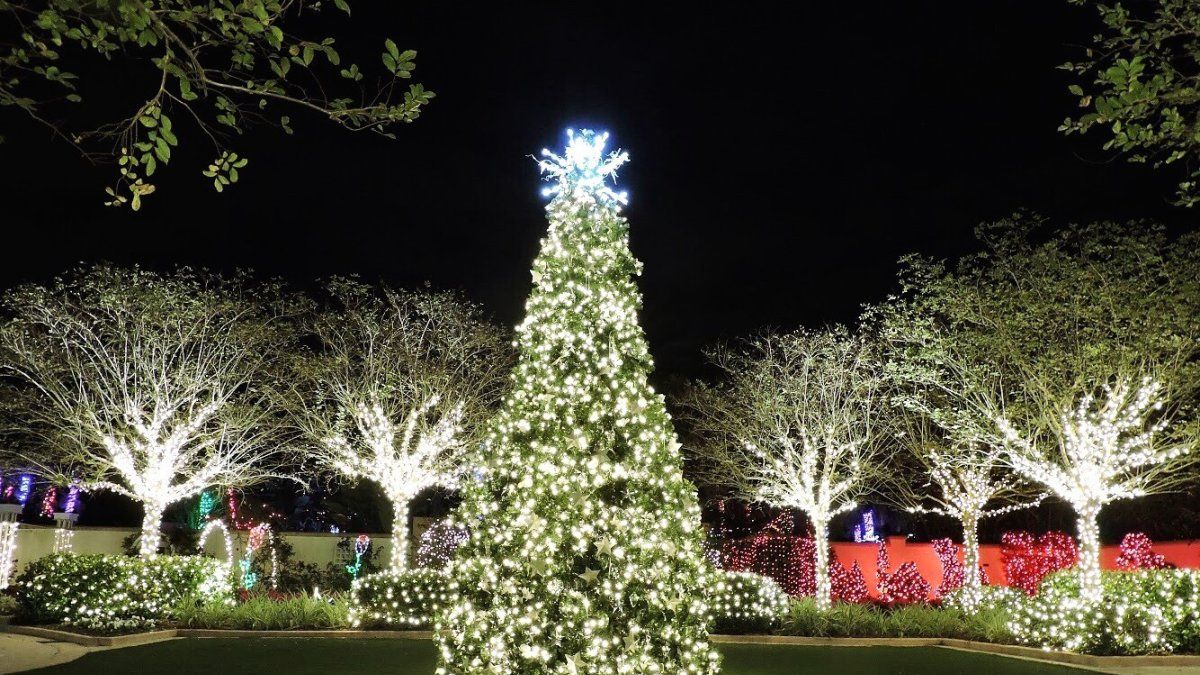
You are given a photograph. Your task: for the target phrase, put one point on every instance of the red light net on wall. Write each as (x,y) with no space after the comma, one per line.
(847,585)
(950,558)
(1137,553)
(1028,559)
(774,552)
(904,586)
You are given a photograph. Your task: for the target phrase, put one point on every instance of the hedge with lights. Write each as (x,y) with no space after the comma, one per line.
(116,593)
(399,599)
(745,602)
(1142,612)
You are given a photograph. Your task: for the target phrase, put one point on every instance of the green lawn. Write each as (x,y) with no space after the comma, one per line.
(329,656)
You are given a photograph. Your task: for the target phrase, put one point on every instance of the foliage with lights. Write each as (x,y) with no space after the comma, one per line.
(745,602)
(151,386)
(117,593)
(399,598)
(585,553)
(796,424)
(1143,612)
(396,389)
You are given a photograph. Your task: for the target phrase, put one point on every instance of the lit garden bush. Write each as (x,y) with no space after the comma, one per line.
(111,593)
(745,602)
(1142,612)
(404,599)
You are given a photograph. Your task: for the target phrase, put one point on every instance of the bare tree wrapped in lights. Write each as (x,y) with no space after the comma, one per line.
(585,553)
(1005,351)
(398,386)
(1108,451)
(150,386)
(968,479)
(796,423)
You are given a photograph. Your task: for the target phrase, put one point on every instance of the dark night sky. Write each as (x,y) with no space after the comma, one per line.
(784,156)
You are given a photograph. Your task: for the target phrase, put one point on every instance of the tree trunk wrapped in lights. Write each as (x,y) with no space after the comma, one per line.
(151,386)
(1107,452)
(585,552)
(795,424)
(396,389)
(968,478)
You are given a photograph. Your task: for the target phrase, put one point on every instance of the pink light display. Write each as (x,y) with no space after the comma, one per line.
(1028,559)
(953,571)
(847,585)
(1137,553)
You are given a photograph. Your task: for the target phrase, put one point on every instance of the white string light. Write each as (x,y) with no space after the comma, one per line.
(1108,453)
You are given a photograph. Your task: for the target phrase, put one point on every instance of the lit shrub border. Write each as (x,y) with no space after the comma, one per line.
(399,599)
(745,602)
(110,593)
(1143,612)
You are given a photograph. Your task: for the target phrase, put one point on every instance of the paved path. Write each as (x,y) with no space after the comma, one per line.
(24,652)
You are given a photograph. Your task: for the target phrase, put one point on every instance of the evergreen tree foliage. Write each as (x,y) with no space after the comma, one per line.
(585,548)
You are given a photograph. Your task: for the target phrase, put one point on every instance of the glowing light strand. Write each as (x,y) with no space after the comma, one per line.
(1108,453)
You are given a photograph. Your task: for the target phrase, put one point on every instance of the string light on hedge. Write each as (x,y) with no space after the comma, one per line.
(744,601)
(119,593)
(399,598)
(1143,612)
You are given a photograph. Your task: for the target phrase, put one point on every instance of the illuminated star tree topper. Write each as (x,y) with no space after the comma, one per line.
(584,169)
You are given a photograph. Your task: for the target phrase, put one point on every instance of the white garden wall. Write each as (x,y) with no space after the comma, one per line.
(35,541)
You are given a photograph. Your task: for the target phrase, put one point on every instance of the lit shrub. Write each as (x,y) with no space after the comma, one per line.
(116,593)
(406,599)
(1143,612)
(990,598)
(745,602)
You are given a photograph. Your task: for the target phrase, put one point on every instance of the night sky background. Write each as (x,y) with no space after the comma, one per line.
(784,156)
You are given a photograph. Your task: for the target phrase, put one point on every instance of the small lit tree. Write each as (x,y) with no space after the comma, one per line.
(398,388)
(794,424)
(962,482)
(150,386)
(1107,451)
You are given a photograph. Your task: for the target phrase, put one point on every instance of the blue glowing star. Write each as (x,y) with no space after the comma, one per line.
(584,168)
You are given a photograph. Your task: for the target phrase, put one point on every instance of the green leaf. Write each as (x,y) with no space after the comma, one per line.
(341,4)
(391,47)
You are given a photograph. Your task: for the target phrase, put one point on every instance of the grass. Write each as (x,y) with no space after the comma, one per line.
(330,656)
(854,620)
(301,612)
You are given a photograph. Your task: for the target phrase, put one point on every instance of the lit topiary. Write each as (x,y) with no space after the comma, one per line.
(399,599)
(1143,612)
(745,602)
(115,593)
(585,553)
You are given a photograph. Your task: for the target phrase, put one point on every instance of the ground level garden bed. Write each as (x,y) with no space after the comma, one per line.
(329,656)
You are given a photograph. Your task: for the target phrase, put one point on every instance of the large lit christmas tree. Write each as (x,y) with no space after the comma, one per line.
(585,552)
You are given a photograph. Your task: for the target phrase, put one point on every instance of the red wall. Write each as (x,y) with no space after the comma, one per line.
(1183,554)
